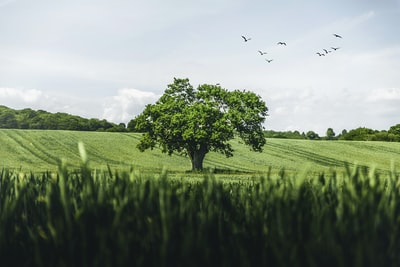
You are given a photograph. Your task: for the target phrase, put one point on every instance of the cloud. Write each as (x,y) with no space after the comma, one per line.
(26,96)
(385,103)
(126,104)
(17,98)
(388,94)
(121,107)
(317,110)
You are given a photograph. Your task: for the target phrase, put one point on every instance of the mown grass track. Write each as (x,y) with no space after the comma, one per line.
(39,151)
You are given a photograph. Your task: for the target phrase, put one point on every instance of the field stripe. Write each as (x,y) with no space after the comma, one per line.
(30,147)
(290,151)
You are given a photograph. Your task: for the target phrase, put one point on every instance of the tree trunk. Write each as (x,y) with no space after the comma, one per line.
(196,156)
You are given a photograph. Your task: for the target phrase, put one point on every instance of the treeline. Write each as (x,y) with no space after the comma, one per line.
(40,119)
(358,134)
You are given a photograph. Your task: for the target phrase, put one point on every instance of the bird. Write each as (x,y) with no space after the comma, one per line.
(268,60)
(326,51)
(246,39)
(337,35)
(319,54)
(281,43)
(335,48)
(261,52)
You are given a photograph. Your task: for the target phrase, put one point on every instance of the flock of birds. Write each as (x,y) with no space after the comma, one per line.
(321,54)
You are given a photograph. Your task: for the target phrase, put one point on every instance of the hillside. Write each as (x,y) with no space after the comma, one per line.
(39,150)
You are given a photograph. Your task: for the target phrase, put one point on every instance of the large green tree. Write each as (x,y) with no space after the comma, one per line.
(196,121)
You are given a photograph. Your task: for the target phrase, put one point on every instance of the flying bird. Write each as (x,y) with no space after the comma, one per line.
(337,35)
(335,48)
(326,51)
(268,60)
(261,52)
(246,39)
(281,43)
(320,54)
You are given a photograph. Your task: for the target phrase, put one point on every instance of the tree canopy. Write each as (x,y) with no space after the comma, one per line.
(196,121)
(40,119)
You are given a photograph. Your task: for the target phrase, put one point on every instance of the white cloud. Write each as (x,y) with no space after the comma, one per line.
(388,94)
(27,96)
(126,104)
(122,107)
(386,104)
(341,109)
(17,98)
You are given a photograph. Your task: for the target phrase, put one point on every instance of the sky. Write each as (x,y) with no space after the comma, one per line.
(108,59)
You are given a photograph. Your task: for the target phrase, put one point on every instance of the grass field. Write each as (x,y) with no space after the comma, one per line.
(38,151)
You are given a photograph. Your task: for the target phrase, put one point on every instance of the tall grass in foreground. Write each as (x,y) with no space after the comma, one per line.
(87,218)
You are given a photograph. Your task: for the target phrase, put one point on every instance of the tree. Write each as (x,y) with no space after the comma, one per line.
(131,127)
(195,122)
(359,134)
(330,134)
(8,119)
(312,135)
(395,129)
(40,119)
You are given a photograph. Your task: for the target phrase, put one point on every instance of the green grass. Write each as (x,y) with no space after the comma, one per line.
(40,151)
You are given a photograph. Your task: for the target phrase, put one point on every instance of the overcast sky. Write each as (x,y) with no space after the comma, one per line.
(107,59)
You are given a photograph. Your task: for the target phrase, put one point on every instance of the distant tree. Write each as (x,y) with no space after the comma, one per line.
(131,127)
(312,135)
(40,119)
(395,129)
(380,136)
(24,117)
(117,128)
(330,134)
(286,135)
(8,119)
(359,134)
(195,122)
(344,132)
